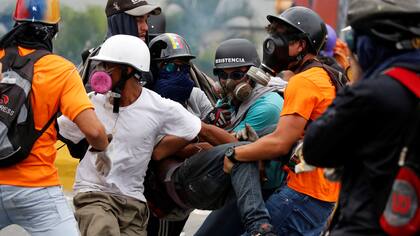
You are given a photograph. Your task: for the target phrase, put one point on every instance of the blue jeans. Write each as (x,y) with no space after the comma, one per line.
(226,221)
(294,213)
(40,211)
(202,184)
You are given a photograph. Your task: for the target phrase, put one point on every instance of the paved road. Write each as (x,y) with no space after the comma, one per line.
(195,220)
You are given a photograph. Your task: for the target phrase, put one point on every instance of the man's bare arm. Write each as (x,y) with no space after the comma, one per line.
(169,145)
(92,128)
(289,130)
(215,135)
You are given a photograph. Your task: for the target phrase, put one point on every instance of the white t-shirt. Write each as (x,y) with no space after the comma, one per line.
(135,130)
(198,103)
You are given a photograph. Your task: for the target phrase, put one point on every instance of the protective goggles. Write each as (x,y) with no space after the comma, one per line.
(234,75)
(171,67)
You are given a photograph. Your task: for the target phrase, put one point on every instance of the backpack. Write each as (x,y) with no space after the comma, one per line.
(401,215)
(17,126)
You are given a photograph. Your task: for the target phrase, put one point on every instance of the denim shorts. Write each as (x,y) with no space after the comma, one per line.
(40,211)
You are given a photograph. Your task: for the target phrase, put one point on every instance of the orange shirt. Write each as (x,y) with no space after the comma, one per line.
(56,85)
(308,94)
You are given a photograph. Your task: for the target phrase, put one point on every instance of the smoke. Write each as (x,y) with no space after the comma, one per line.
(204,24)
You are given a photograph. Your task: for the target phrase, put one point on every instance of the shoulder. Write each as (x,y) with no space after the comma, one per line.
(314,74)
(269,99)
(56,60)
(197,94)
(268,103)
(313,79)
(382,92)
(151,98)
(303,80)
(197,91)
(56,66)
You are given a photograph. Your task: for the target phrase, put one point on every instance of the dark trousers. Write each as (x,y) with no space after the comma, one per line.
(202,184)
(159,227)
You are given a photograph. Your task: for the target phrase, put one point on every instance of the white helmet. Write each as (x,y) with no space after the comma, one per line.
(127,50)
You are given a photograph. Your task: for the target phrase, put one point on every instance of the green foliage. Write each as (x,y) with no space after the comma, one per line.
(79,30)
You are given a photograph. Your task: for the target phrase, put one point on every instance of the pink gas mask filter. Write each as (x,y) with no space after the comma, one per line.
(100,82)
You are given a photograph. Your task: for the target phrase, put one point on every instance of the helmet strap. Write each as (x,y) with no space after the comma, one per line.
(117,89)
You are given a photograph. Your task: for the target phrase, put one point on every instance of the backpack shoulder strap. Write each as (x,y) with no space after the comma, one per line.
(24,65)
(337,78)
(21,64)
(10,55)
(408,78)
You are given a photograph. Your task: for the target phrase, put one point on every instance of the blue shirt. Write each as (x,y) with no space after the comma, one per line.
(266,112)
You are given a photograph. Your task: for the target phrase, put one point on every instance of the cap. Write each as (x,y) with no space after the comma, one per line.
(131,7)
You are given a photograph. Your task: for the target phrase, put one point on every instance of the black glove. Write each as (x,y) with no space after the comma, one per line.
(219,116)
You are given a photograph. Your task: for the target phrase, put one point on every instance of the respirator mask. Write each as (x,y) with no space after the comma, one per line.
(275,57)
(240,91)
(100,79)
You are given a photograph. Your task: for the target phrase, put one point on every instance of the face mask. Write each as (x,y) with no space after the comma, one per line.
(100,82)
(175,85)
(275,54)
(241,91)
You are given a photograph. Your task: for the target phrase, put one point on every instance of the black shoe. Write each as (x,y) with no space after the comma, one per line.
(264,230)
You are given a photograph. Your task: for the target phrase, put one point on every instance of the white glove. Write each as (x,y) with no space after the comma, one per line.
(301,166)
(247,134)
(103,161)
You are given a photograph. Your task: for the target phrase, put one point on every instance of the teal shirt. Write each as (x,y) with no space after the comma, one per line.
(266,112)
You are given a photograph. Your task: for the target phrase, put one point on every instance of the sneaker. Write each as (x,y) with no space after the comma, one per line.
(264,230)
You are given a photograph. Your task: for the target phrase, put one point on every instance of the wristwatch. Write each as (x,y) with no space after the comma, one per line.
(230,154)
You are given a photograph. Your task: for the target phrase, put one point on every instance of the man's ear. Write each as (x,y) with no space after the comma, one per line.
(129,69)
(302,45)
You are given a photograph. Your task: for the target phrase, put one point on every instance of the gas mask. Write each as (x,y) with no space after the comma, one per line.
(276,53)
(100,80)
(241,91)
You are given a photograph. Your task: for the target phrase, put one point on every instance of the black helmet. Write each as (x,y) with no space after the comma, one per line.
(236,53)
(389,20)
(169,46)
(157,25)
(305,21)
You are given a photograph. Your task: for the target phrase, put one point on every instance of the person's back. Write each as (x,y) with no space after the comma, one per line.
(55,87)
(31,194)
(367,180)
(367,123)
